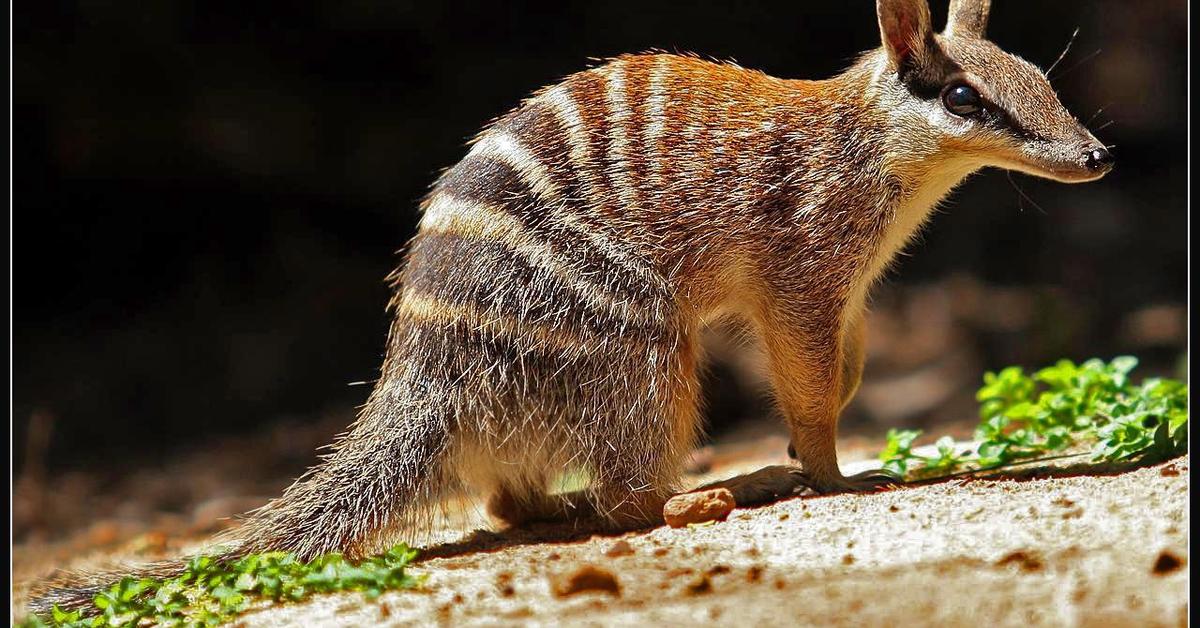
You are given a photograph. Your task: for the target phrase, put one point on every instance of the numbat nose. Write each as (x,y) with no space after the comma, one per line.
(1098,158)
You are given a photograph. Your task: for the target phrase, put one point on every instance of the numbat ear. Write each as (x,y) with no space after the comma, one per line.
(904,26)
(968,18)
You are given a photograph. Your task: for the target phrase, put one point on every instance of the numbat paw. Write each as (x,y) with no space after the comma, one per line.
(776,482)
(768,484)
(864,482)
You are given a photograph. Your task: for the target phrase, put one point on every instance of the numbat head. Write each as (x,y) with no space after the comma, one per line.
(546,314)
(955,100)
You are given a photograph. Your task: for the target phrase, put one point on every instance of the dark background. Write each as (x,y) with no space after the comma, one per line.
(207,196)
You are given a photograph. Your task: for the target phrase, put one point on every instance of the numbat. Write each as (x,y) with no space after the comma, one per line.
(546,315)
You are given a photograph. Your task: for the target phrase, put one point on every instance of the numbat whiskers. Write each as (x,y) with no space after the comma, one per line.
(546,314)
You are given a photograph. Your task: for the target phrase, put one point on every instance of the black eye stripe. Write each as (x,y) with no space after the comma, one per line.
(1002,119)
(989,113)
(993,114)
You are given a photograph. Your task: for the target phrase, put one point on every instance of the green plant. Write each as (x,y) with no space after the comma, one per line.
(1059,408)
(210,592)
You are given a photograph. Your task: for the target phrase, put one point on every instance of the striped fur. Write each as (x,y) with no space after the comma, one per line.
(546,313)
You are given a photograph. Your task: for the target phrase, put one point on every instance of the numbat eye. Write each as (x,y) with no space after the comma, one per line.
(962,100)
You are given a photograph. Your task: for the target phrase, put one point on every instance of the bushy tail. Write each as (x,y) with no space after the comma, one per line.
(379,479)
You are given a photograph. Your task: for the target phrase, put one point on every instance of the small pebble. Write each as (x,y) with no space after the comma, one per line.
(698,507)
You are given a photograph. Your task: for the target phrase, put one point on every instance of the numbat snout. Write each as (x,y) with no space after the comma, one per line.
(546,314)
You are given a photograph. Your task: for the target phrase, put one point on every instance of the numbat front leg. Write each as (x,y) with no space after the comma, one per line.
(808,355)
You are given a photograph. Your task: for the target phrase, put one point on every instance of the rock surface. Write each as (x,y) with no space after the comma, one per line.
(698,507)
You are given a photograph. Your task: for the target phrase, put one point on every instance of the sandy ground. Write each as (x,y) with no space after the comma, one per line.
(1073,551)
(1084,550)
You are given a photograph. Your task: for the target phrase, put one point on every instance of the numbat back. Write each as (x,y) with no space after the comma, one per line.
(546,314)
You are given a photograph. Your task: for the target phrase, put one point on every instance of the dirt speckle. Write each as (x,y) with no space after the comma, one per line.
(504,584)
(1071,552)
(848,559)
(620,548)
(586,578)
(699,585)
(1073,513)
(1029,561)
(1166,563)
(754,573)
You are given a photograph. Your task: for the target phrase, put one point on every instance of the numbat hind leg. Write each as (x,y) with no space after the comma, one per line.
(629,487)
(514,508)
(635,466)
(631,433)
(619,509)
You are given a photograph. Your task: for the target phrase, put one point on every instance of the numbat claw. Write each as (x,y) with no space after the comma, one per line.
(776,482)
(876,478)
(866,481)
(767,485)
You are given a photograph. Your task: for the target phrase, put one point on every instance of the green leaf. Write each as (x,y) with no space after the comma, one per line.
(210,592)
(1094,404)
